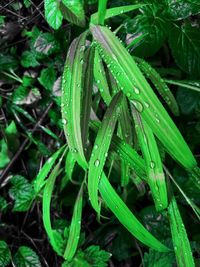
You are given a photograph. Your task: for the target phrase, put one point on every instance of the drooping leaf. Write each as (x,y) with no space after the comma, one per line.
(184,41)
(72,89)
(5,255)
(26,257)
(126,217)
(180,240)
(101,147)
(136,88)
(53,14)
(75,228)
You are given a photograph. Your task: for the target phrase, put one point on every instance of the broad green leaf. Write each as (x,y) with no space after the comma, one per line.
(96,257)
(47,78)
(188,100)
(159,84)
(28,59)
(54,237)
(73,11)
(156,177)
(112,12)
(4,158)
(53,14)
(136,88)
(5,255)
(72,90)
(7,62)
(152,25)
(101,147)
(157,259)
(126,153)
(87,95)
(184,41)
(180,240)
(27,3)
(126,217)
(75,228)
(39,181)
(26,257)
(21,192)
(25,96)
(181,9)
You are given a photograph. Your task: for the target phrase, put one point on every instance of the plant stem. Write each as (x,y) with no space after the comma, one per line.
(102,11)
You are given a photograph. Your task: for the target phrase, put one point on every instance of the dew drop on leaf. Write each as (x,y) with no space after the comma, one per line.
(96,163)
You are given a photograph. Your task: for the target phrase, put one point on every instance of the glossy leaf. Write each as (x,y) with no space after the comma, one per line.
(53,14)
(5,255)
(26,257)
(73,11)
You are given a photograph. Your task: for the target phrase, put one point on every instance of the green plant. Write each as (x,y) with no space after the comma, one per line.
(123,130)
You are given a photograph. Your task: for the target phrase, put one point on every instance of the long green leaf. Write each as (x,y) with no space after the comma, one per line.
(75,228)
(101,147)
(39,181)
(156,177)
(72,88)
(111,12)
(159,84)
(135,86)
(126,153)
(179,236)
(46,202)
(126,217)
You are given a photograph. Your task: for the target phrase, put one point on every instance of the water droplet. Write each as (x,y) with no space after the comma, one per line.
(138,105)
(157,120)
(136,90)
(97,162)
(96,146)
(146,104)
(128,94)
(64,121)
(152,164)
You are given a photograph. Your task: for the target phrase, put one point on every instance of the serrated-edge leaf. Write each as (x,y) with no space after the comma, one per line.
(126,217)
(5,255)
(53,14)
(25,256)
(101,147)
(179,236)
(75,228)
(72,89)
(73,11)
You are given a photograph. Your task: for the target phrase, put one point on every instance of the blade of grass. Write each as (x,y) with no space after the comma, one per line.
(101,147)
(111,12)
(159,84)
(179,236)
(101,11)
(156,177)
(126,152)
(192,85)
(46,202)
(40,181)
(126,217)
(75,228)
(135,86)
(72,86)
(87,95)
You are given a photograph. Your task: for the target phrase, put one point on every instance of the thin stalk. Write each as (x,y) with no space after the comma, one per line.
(102,11)
(183,84)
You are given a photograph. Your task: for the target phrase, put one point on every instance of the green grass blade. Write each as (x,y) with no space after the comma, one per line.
(100,79)
(39,181)
(159,84)
(46,203)
(179,236)
(135,86)
(156,177)
(192,85)
(126,153)
(72,88)
(101,11)
(126,217)
(69,168)
(87,95)
(101,147)
(75,228)
(111,12)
